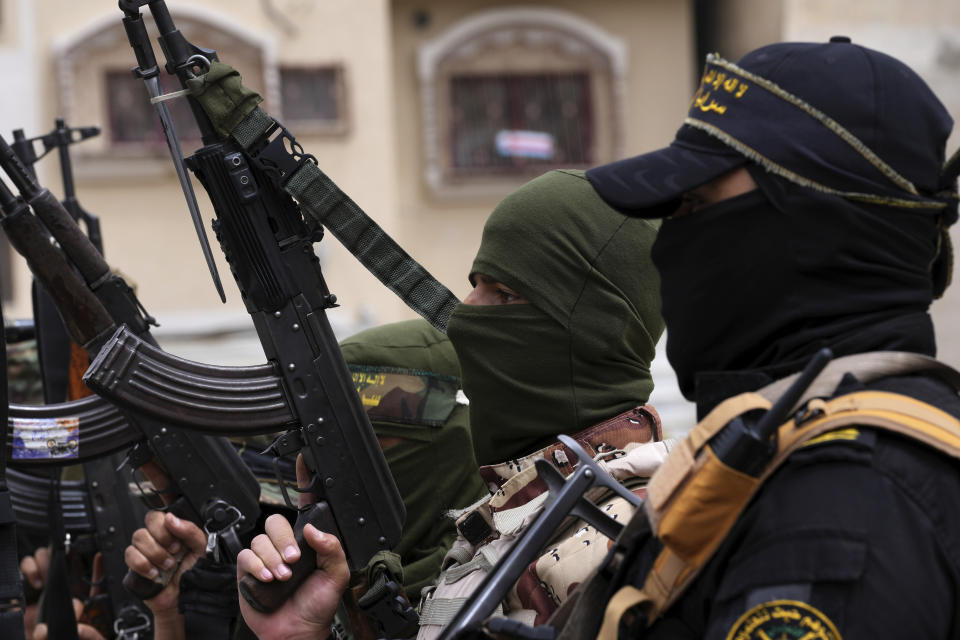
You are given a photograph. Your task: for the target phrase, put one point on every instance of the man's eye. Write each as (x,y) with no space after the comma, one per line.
(506,297)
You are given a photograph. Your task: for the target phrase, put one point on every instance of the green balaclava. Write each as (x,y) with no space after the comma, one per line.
(580,352)
(407,376)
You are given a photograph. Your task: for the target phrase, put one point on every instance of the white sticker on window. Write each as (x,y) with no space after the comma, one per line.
(46,438)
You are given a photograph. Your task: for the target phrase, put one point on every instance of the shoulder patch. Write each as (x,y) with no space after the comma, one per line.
(789,619)
(405,396)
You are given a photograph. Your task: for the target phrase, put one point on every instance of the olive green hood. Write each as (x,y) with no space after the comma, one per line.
(580,352)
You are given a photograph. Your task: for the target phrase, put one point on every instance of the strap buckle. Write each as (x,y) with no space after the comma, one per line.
(277,152)
(221,529)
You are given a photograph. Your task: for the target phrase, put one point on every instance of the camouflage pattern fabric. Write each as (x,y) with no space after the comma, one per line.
(627,446)
(23,373)
(404,396)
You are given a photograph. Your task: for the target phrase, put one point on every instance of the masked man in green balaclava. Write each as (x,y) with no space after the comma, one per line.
(556,337)
(560,328)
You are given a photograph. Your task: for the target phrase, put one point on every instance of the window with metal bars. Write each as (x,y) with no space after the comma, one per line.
(505,122)
(134,120)
(312,96)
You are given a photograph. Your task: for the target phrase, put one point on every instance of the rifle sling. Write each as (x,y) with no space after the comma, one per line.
(371,245)
(208,599)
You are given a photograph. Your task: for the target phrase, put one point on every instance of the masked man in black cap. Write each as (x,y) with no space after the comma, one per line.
(806,204)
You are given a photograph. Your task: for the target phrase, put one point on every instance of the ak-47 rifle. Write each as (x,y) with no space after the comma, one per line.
(269,246)
(209,484)
(115,514)
(60,140)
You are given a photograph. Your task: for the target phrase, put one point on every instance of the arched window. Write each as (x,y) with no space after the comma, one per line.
(519,90)
(95,85)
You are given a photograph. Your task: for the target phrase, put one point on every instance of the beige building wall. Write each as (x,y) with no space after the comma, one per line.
(738,26)
(147,230)
(379,160)
(443,229)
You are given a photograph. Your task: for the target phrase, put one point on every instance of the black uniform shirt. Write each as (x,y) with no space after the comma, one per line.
(854,538)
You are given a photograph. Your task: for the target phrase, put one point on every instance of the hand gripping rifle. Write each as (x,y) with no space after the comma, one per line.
(209,484)
(269,246)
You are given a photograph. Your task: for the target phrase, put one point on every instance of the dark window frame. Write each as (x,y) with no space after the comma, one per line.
(514,107)
(319,123)
(153,138)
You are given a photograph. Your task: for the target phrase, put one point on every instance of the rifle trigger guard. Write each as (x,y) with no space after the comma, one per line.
(282,483)
(394,617)
(225,533)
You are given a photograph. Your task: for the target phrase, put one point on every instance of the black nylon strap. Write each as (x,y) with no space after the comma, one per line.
(208,600)
(322,199)
(377,251)
(57,605)
(10,585)
(11,624)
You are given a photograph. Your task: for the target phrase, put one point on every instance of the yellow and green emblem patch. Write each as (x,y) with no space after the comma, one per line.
(783,620)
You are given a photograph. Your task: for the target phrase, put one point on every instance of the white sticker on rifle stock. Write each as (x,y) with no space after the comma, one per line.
(46,438)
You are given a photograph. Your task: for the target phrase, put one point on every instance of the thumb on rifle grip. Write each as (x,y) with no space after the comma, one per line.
(146,588)
(270,596)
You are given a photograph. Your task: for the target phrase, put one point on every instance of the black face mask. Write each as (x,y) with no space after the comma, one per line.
(764,279)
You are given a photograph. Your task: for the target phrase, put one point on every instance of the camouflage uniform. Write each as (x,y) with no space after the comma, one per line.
(24,381)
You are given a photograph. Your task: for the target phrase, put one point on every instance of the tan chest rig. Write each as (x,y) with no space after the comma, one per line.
(694,499)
